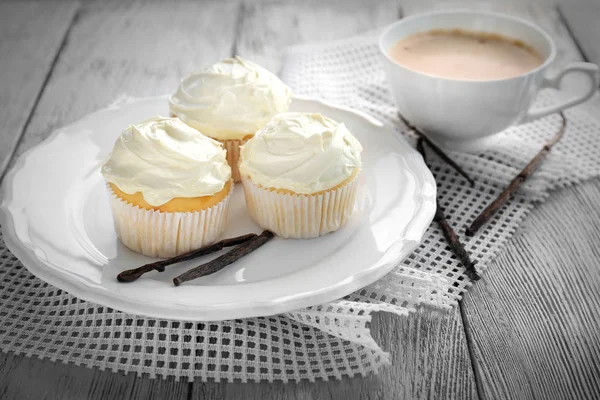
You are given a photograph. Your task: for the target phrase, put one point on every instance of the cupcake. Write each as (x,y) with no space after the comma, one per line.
(229,102)
(169,187)
(300,175)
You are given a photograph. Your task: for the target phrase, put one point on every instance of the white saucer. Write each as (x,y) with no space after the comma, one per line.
(56,219)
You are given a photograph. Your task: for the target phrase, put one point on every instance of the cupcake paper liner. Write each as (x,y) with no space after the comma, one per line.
(297,215)
(167,234)
(233,156)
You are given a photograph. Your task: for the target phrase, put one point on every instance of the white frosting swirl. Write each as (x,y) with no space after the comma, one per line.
(230,100)
(164,158)
(301,152)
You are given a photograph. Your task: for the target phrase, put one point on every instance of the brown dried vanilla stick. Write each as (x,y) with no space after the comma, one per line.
(437,150)
(514,185)
(131,275)
(228,258)
(451,237)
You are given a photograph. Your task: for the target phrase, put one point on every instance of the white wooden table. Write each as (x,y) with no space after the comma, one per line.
(528,330)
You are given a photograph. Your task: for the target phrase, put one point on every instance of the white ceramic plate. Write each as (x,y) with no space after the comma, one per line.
(56,219)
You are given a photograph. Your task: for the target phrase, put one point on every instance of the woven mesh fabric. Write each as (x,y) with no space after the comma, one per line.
(325,341)
(349,72)
(37,319)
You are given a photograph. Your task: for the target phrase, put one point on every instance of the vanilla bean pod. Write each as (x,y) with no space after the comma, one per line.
(131,275)
(514,185)
(437,150)
(451,237)
(228,258)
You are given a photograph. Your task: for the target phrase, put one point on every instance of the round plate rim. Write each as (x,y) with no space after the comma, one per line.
(99,295)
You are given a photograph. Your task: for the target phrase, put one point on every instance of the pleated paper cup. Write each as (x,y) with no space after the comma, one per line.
(233,156)
(300,216)
(167,234)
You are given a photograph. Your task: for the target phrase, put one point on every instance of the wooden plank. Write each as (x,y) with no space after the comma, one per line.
(115,48)
(532,321)
(429,361)
(552,358)
(32,34)
(428,350)
(582,21)
(129,48)
(267,28)
(24,378)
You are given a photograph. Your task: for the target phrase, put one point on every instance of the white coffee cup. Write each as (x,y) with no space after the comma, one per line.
(463,114)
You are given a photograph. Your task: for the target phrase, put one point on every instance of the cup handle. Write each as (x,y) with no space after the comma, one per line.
(591,70)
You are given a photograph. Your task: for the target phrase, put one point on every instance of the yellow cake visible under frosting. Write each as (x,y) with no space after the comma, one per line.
(178,204)
(169,187)
(338,186)
(163,159)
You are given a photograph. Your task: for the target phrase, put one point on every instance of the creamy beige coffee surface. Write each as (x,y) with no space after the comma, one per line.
(467,55)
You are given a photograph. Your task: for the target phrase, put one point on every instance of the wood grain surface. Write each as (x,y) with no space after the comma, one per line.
(128,48)
(529,329)
(313,21)
(534,319)
(582,22)
(429,359)
(31,36)
(30,378)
